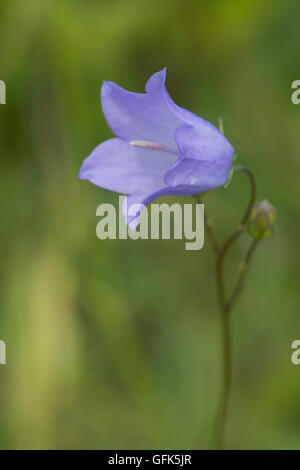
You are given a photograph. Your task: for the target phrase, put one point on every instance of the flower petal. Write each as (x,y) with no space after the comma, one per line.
(153,116)
(140,116)
(144,198)
(156,85)
(205,158)
(204,144)
(120,167)
(201,174)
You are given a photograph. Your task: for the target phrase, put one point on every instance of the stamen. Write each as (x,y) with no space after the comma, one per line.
(151,146)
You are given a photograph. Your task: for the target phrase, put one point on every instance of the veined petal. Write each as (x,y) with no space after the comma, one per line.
(201,174)
(205,158)
(120,167)
(139,116)
(204,144)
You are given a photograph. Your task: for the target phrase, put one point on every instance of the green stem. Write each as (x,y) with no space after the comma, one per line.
(241,280)
(226,367)
(225,308)
(208,228)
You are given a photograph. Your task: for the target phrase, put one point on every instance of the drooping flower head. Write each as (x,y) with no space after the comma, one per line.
(160,148)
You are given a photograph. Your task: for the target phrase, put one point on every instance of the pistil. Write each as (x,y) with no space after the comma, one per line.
(151,146)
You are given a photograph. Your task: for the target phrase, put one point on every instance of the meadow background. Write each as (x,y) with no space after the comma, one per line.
(116,344)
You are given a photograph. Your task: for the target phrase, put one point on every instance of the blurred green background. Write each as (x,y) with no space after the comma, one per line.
(116,344)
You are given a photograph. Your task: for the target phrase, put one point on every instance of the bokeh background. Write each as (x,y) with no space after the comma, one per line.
(116,344)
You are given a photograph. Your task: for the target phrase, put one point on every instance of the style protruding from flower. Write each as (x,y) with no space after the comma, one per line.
(261,220)
(160,149)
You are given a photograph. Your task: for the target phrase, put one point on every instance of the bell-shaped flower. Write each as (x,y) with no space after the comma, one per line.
(160,148)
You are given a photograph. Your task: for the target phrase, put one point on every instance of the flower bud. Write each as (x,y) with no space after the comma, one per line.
(261,220)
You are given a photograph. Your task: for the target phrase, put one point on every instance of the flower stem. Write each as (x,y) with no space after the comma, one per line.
(209,229)
(244,268)
(226,306)
(226,384)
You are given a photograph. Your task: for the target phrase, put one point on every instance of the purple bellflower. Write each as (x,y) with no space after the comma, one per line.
(160,148)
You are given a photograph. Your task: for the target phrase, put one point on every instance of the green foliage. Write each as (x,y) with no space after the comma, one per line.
(116,344)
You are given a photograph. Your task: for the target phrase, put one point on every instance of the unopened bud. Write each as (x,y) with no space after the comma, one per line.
(261,220)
